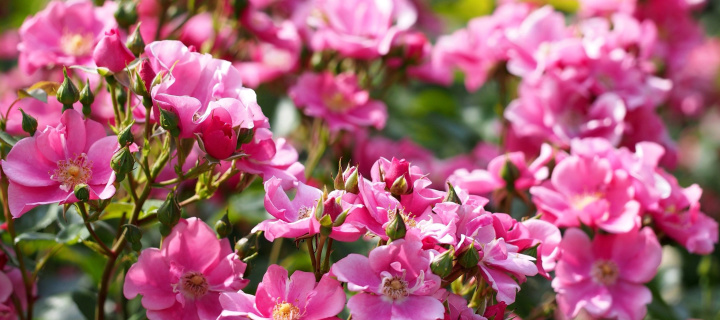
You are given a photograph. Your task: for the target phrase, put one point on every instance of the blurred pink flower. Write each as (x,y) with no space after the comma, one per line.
(299,298)
(64,33)
(185,277)
(292,217)
(46,168)
(605,276)
(362,29)
(339,100)
(394,281)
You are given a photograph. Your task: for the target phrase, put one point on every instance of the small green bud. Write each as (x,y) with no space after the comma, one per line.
(351,182)
(169,212)
(81,192)
(341,218)
(470,257)
(400,186)
(223,227)
(339,181)
(138,86)
(247,246)
(164,230)
(245,135)
(442,264)
(135,42)
(126,14)
(29,124)
(510,173)
(451,195)
(169,121)
(397,228)
(87,97)
(134,234)
(123,162)
(125,136)
(326,225)
(67,93)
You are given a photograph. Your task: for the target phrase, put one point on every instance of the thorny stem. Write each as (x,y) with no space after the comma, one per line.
(311,252)
(18,253)
(88,226)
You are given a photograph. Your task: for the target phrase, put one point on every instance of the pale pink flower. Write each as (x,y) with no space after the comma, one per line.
(605,276)
(64,33)
(591,8)
(9,40)
(362,29)
(185,277)
(266,63)
(46,168)
(339,101)
(588,191)
(297,298)
(393,281)
(695,81)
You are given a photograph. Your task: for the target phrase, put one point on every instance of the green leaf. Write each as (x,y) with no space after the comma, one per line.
(7,138)
(37,219)
(115,210)
(32,242)
(85,301)
(70,234)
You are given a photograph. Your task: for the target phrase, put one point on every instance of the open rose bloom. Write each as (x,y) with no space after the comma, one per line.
(364,159)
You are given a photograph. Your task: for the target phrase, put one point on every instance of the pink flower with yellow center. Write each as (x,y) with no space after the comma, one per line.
(46,168)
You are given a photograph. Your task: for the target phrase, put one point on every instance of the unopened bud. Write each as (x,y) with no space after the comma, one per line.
(396,229)
(341,218)
(125,137)
(147,75)
(442,264)
(87,97)
(135,42)
(223,227)
(29,124)
(247,246)
(126,14)
(134,235)
(326,225)
(351,181)
(82,193)
(400,186)
(470,257)
(245,135)
(169,121)
(510,173)
(451,195)
(67,93)
(165,230)
(123,162)
(169,212)
(339,182)
(138,86)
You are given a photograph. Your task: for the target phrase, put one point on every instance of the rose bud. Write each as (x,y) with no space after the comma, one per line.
(218,136)
(111,53)
(397,177)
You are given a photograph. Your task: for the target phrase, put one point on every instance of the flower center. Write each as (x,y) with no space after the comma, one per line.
(604,272)
(285,311)
(336,102)
(193,284)
(73,171)
(581,201)
(304,213)
(77,45)
(395,287)
(409,221)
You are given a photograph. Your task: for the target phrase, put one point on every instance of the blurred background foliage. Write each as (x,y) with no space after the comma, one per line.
(449,121)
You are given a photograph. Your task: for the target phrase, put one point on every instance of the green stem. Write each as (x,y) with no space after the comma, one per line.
(113,98)
(275,251)
(311,252)
(88,226)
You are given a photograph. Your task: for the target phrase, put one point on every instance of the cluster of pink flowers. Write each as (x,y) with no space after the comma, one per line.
(582,146)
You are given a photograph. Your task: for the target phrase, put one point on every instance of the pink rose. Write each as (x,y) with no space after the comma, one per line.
(111,53)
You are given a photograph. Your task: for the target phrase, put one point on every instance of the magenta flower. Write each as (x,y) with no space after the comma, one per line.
(11,284)
(458,309)
(362,29)
(679,217)
(395,281)
(588,191)
(111,52)
(299,298)
(339,101)
(605,276)
(292,218)
(46,168)
(184,278)
(64,33)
